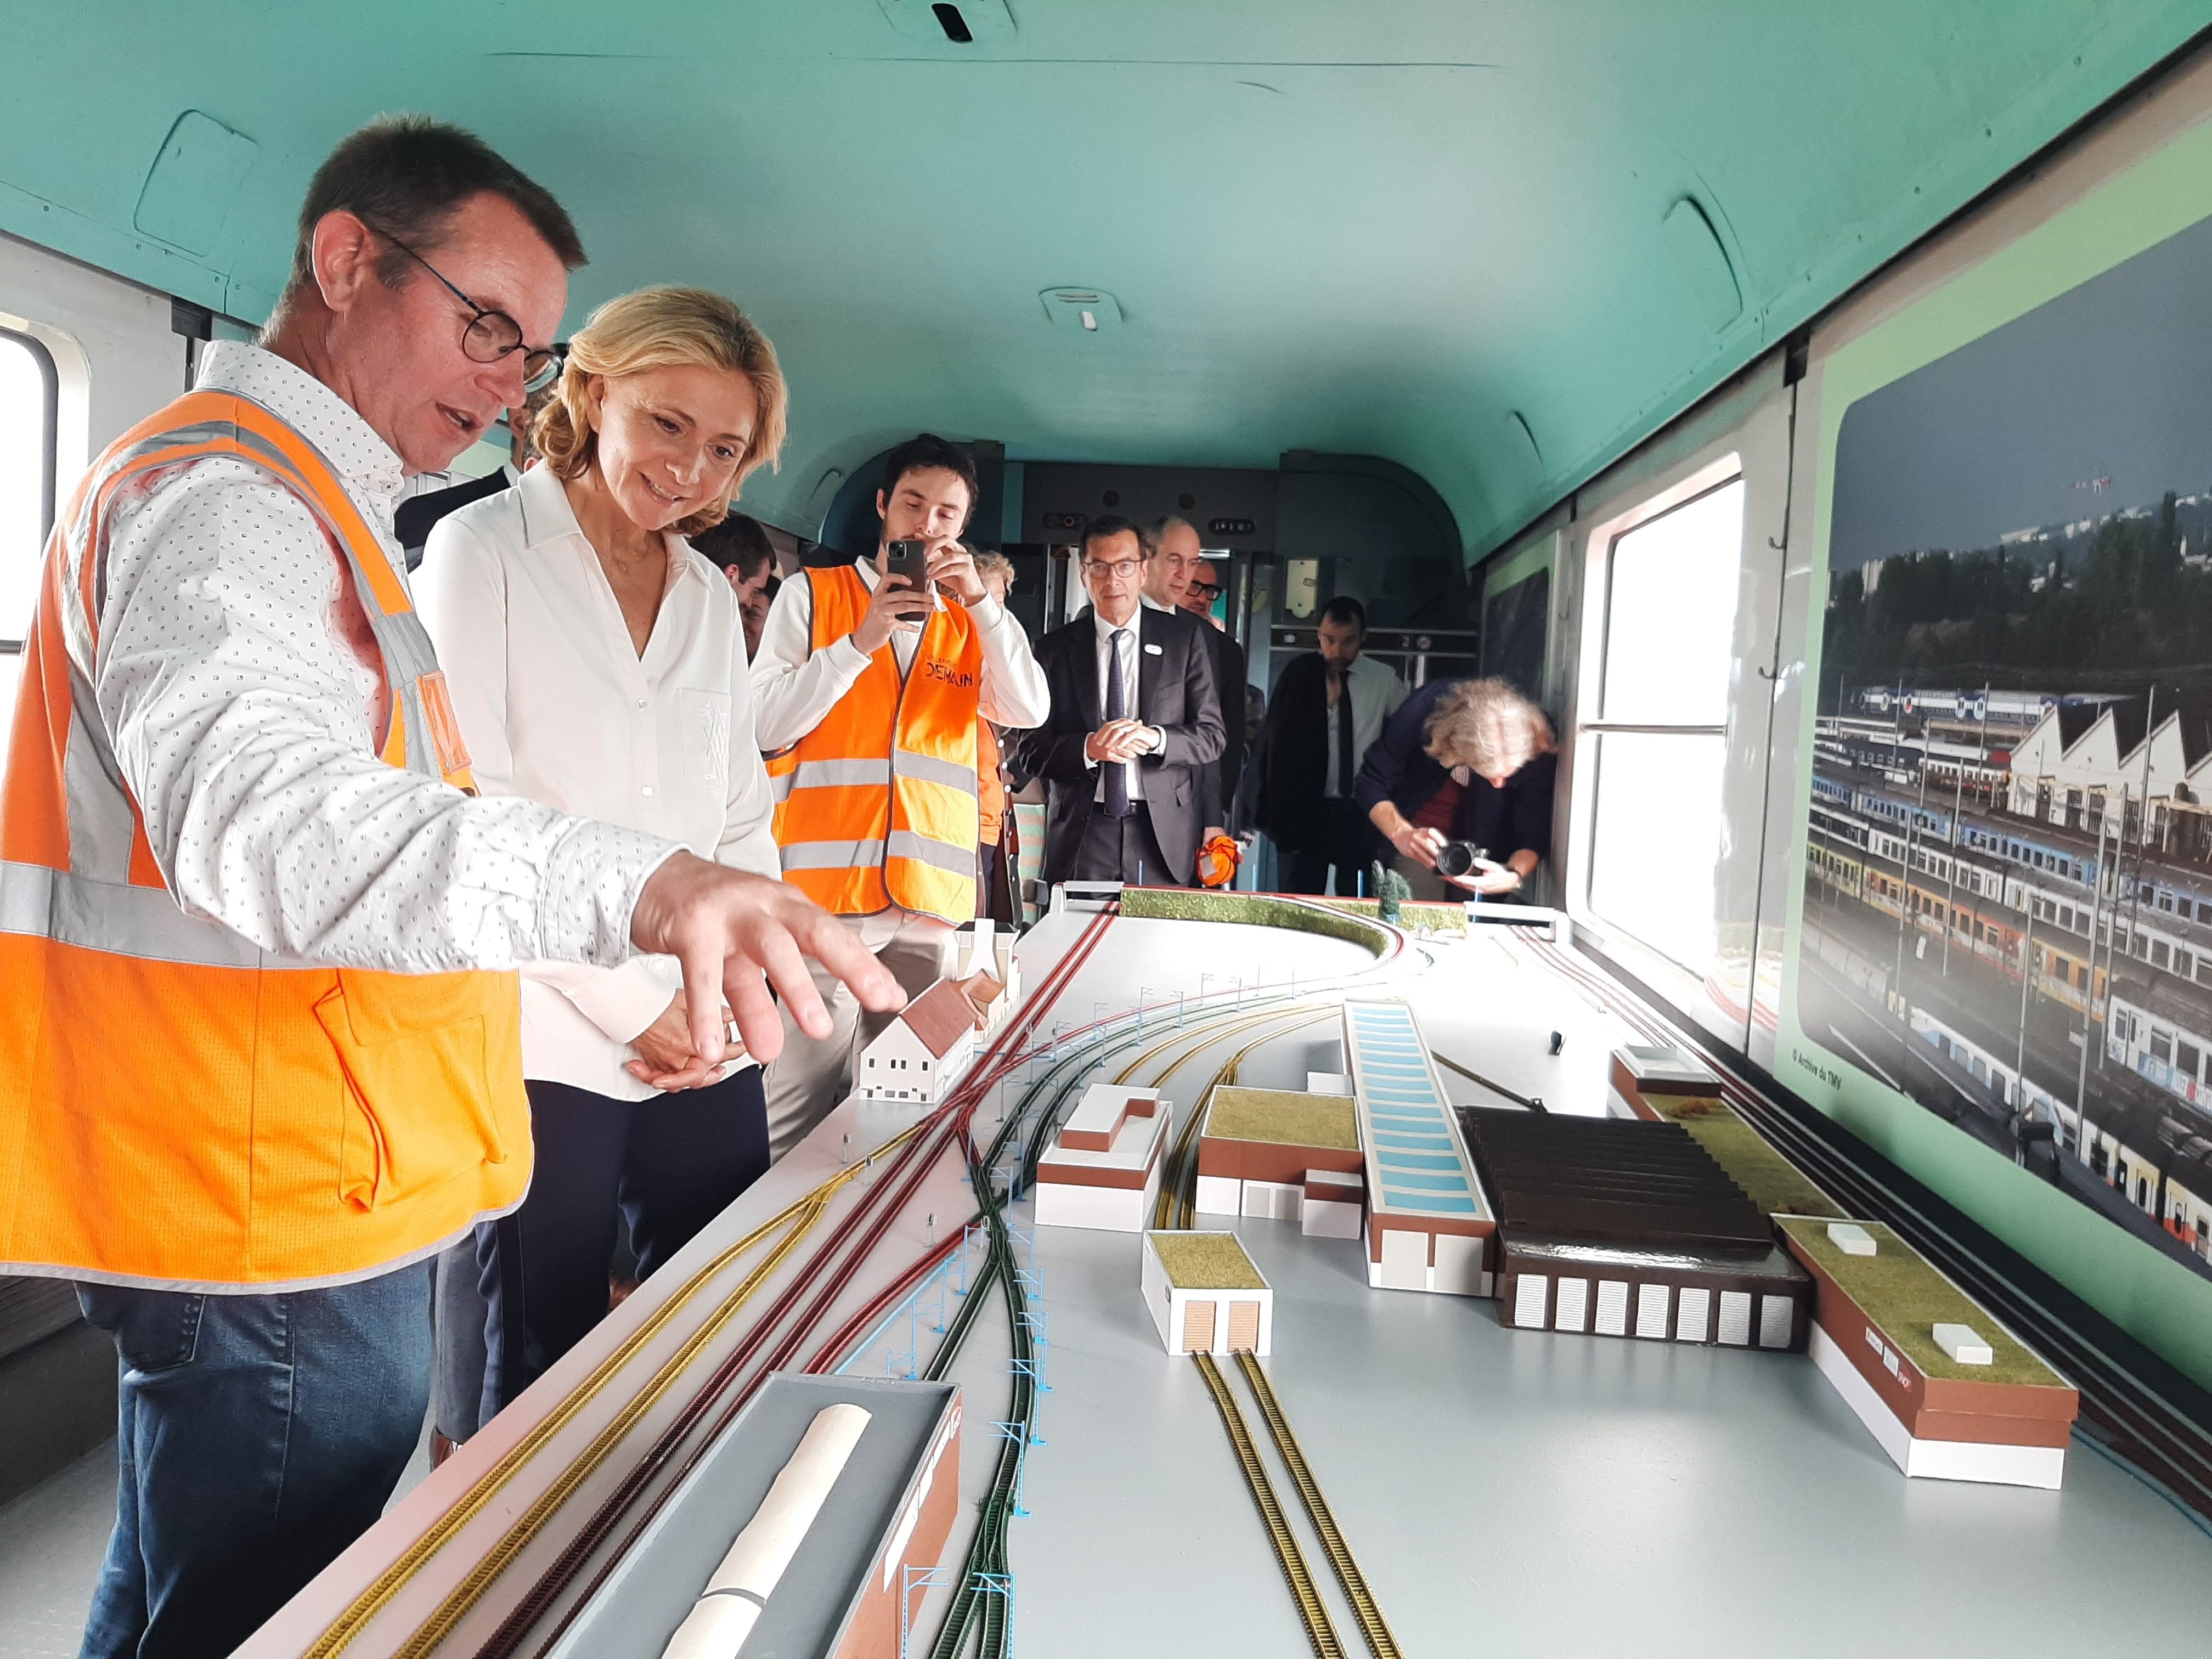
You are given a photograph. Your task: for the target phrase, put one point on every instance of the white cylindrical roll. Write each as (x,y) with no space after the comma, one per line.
(723,1617)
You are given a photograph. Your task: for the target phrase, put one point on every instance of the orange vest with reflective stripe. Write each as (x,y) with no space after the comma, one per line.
(178,1107)
(875,805)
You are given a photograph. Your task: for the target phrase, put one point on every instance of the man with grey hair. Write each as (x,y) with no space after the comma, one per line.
(1174,561)
(1463,760)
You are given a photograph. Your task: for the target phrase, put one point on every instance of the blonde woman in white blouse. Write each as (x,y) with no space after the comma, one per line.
(598,664)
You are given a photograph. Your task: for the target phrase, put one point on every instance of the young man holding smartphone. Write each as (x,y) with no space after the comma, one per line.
(867,689)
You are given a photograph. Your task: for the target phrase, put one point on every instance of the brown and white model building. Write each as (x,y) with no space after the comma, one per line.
(1283,1155)
(1429,1222)
(1102,1169)
(1948,1392)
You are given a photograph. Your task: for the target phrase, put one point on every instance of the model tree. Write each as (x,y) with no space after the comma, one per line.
(1391,891)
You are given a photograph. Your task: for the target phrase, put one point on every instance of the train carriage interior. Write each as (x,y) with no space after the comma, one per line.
(1807,409)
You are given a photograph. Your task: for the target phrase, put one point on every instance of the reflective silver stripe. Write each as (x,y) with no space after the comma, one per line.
(779,784)
(842,774)
(930,770)
(833,854)
(938,854)
(132,921)
(99,822)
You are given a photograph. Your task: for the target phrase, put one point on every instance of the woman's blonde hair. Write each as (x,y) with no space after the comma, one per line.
(1487,727)
(663,328)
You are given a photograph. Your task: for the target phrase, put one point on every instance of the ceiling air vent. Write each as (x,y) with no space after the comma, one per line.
(951,22)
(1082,310)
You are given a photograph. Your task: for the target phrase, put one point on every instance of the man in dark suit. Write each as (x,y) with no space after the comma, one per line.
(1178,577)
(1135,719)
(419,514)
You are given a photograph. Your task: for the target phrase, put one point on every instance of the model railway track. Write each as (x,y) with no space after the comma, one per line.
(1372,1625)
(796,1223)
(1321,1632)
(738,1377)
(2179,1447)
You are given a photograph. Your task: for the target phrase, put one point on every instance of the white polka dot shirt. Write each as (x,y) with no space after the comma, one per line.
(243,717)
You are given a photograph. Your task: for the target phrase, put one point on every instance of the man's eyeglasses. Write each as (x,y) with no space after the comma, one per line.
(1121,569)
(1207,590)
(491,334)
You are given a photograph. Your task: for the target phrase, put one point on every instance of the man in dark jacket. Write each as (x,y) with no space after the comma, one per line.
(1330,706)
(1135,720)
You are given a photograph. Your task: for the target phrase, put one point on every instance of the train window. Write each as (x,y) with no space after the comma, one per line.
(1660,737)
(28,400)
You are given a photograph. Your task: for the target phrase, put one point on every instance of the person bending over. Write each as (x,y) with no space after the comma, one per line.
(595,663)
(867,693)
(1463,760)
(1135,720)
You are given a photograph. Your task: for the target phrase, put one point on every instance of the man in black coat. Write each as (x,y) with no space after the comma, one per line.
(1135,719)
(1330,705)
(1179,577)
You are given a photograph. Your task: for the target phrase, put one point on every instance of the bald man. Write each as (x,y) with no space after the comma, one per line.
(1175,568)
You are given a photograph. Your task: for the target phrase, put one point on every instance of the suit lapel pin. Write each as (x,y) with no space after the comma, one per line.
(1152,651)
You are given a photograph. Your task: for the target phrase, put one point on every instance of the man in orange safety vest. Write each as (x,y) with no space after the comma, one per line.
(260,1048)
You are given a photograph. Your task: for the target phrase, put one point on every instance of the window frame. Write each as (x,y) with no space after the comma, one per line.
(51,384)
(1725,466)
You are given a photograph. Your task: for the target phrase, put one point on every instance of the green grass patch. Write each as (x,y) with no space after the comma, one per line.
(1904,1295)
(1422,918)
(1207,1262)
(1775,1184)
(1255,910)
(1283,1117)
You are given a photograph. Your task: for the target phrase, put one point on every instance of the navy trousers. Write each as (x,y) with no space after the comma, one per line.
(257,1436)
(670,1165)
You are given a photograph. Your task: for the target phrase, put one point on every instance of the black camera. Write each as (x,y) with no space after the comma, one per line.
(1458,858)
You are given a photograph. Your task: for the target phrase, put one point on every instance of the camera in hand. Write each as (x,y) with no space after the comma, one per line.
(1458,858)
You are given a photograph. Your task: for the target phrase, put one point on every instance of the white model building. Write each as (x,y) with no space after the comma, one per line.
(1429,1222)
(1269,1152)
(1205,1295)
(921,1054)
(982,947)
(1103,1168)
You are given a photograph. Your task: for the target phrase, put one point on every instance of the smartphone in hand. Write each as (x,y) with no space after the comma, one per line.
(911,559)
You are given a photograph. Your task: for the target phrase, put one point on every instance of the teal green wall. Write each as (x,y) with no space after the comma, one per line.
(2158,1301)
(1368,229)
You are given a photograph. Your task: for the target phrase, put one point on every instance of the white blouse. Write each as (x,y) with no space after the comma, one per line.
(555,704)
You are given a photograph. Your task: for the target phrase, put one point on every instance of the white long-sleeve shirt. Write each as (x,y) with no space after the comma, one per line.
(795,685)
(555,704)
(242,716)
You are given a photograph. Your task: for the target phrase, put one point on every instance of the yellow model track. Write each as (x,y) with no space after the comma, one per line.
(1372,1625)
(1320,1632)
(795,1223)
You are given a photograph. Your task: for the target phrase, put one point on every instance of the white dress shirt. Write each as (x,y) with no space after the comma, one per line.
(795,685)
(1131,648)
(1377,691)
(245,723)
(555,704)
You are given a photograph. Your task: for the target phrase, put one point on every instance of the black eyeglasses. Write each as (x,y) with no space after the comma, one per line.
(491,334)
(1205,590)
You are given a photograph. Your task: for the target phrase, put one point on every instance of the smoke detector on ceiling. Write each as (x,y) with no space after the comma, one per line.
(951,22)
(1083,310)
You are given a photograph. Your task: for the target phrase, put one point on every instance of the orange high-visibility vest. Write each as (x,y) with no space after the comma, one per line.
(179,1108)
(875,805)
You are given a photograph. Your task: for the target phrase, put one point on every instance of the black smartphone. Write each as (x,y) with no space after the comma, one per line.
(907,559)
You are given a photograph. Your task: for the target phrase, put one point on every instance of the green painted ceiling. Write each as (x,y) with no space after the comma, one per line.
(1371,226)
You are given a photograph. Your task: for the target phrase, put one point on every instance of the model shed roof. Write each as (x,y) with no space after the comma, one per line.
(940,1016)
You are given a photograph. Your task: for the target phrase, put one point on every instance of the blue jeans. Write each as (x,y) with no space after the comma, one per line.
(257,1436)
